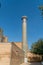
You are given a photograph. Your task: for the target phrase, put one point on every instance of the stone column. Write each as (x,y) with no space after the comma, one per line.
(24,37)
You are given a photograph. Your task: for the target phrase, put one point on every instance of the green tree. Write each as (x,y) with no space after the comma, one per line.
(37,47)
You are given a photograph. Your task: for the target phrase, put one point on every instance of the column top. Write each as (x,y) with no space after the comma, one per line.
(24,17)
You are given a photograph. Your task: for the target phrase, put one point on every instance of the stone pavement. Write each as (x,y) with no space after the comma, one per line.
(34,63)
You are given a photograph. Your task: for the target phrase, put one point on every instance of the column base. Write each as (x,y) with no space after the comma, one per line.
(25,60)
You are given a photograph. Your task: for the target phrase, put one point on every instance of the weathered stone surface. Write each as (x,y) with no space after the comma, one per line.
(24,64)
(10,54)
(5,53)
(17,55)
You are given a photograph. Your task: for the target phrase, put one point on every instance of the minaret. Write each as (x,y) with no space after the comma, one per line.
(24,37)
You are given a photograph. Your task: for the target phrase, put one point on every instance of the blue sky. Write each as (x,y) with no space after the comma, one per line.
(11,12)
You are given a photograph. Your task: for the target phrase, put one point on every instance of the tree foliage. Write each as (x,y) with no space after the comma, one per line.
(37,47)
